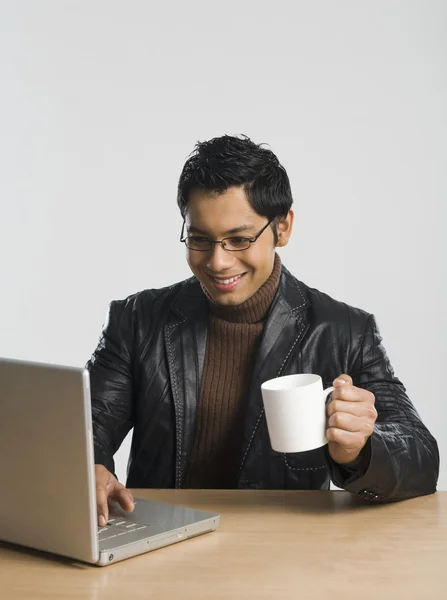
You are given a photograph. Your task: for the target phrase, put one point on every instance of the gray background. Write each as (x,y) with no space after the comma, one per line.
(101,102)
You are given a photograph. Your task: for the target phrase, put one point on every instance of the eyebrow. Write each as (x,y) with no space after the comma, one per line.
(229,232)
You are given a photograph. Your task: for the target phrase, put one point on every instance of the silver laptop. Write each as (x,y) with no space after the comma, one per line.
(47,495)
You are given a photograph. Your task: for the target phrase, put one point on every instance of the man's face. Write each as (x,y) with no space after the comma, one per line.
(230,278)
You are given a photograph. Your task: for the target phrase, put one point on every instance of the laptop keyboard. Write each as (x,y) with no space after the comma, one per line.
(120,529)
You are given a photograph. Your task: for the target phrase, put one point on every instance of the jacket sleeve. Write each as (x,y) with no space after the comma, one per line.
(111,385)
(401,458)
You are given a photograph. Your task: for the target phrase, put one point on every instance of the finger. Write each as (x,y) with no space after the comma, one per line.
(349,440)
(352,394)
(102,506)
(359,409)
(124,498)
(342,379)
(351,423)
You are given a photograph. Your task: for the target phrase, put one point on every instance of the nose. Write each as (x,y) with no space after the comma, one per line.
(219,259)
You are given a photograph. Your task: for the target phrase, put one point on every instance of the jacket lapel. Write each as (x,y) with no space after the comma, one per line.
(285,328)
(185,339)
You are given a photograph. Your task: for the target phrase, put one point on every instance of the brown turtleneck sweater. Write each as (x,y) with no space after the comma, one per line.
(233,337)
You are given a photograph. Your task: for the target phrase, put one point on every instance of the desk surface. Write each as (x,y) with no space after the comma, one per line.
(274,545)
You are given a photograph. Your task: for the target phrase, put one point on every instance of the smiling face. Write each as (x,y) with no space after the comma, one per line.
(230,278)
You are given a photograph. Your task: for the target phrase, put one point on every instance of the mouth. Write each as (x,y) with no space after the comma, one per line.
(226,284)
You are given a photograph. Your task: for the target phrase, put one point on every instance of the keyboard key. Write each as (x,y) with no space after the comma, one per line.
(123,538)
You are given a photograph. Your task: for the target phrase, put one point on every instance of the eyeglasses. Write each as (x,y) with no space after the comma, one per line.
(201,243)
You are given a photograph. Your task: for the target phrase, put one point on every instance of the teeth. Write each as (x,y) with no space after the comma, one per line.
(226,281)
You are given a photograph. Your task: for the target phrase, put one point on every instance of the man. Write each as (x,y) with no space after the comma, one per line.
(183,366)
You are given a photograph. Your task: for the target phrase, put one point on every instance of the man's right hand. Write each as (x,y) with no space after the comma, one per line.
(108,488)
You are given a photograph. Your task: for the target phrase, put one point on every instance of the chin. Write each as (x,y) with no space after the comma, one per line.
(225,299)
(228,300)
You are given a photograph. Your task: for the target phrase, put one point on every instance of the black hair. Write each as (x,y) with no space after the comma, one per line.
(227,161)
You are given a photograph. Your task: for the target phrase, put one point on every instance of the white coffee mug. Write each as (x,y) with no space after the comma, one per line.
(295,409)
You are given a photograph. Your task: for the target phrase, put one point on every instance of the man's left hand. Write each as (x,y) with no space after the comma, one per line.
(351,416)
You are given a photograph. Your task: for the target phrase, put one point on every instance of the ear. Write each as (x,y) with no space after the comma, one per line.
(284,229)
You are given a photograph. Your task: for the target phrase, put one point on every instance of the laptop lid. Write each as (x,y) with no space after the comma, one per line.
(47,499)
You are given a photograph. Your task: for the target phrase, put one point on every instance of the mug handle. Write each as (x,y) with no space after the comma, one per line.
(328,391)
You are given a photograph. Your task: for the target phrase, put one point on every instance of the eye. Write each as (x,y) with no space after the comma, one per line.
(199,240)
(238,242)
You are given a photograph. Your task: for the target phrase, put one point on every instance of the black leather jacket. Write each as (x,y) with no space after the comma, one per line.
(147,369)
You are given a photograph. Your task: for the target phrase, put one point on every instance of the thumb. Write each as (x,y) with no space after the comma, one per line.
(342,379)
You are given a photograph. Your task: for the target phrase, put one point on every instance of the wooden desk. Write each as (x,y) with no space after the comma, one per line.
(274,545)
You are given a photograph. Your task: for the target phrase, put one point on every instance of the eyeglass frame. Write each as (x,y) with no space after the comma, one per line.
(221,242)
